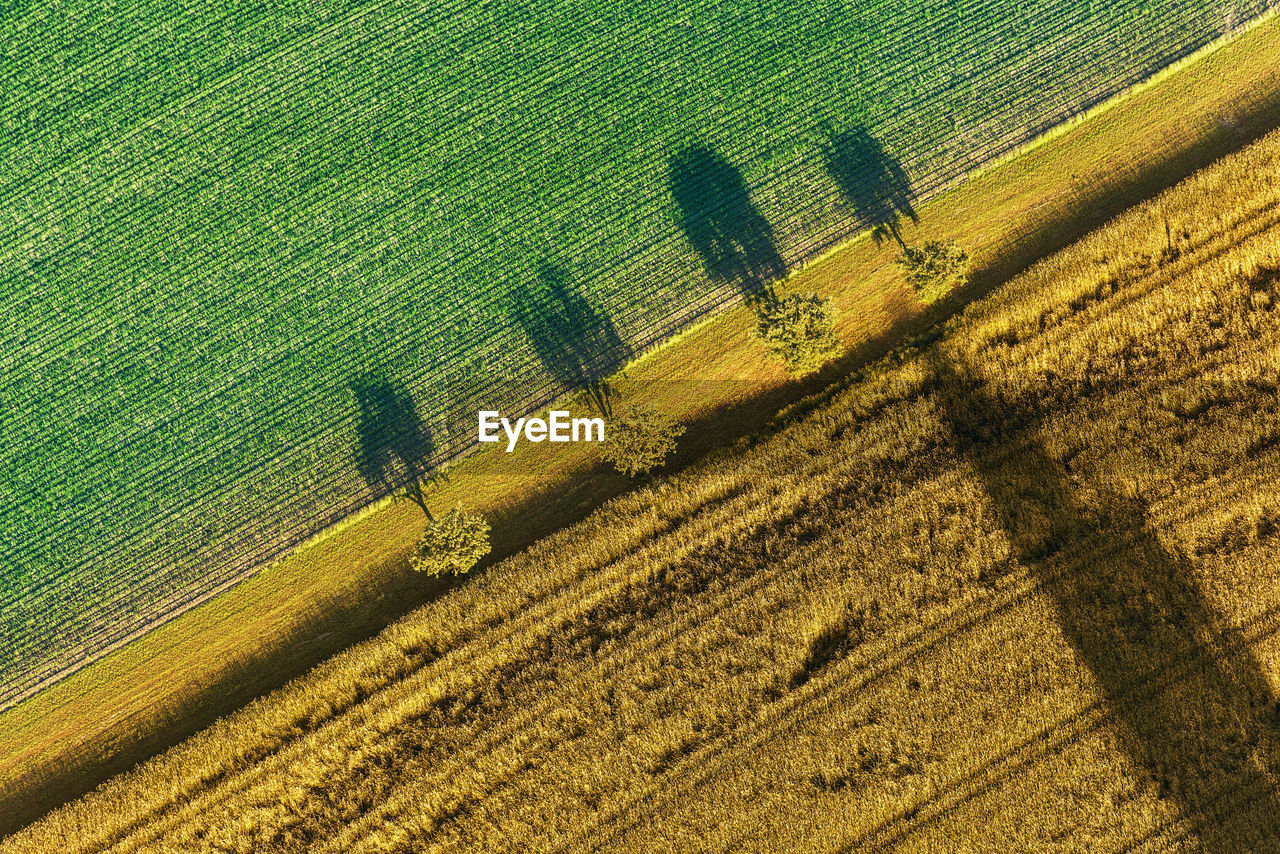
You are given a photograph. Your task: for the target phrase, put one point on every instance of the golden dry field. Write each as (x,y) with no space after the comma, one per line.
(1012,588)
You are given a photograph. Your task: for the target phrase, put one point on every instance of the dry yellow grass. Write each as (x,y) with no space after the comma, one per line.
(1010,588)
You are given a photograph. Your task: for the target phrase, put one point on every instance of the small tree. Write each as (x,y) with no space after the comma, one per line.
(451,544)
(800,329)
(640,440)
(934,269)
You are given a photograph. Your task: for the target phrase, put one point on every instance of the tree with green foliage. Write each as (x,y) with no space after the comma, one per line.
(640,440)
(935,269)
(452,544)
(800,329)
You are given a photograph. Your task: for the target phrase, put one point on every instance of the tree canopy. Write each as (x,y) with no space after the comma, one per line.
(935,269)
(640,440)
(800,329)
(452,544)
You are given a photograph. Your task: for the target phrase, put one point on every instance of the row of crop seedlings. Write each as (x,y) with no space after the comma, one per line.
(79,42)
(841,227)
(148,160)
(110,71)
(150,164)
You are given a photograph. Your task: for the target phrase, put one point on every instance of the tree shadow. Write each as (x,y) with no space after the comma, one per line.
(721,223)
(872,182)
(1192,704)
(577,343)
(394,444)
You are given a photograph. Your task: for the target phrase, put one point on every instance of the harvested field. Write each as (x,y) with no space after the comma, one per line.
(1010,588)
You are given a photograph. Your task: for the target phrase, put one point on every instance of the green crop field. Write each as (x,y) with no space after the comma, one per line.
(258,262)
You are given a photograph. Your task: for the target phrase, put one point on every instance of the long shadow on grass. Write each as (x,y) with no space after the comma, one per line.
(872,182)
(1191,704)
(578,344)
(394,446)
(721,223)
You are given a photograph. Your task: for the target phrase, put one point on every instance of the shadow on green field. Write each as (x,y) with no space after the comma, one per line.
(394,445)
(873,183)
(576,342)
(725,228)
